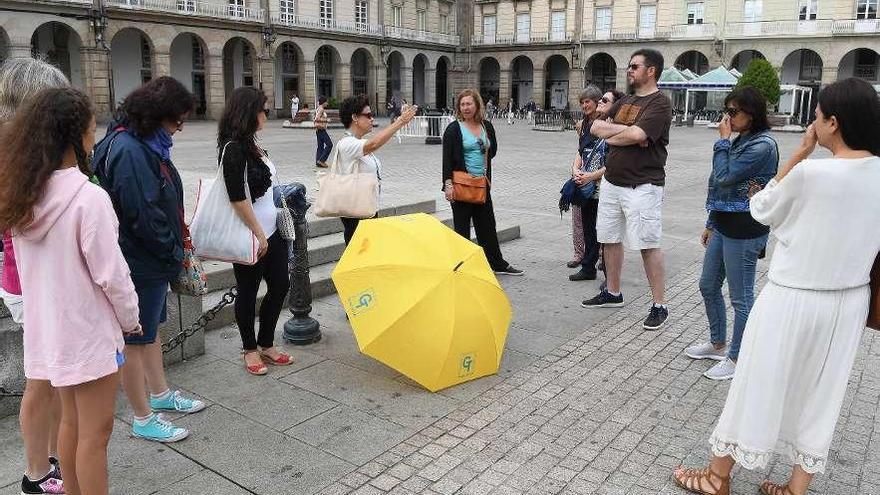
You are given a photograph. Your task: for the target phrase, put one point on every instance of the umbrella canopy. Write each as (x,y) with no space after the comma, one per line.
(423,300)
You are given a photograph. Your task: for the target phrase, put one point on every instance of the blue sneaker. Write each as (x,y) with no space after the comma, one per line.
(173,401)
(157,429)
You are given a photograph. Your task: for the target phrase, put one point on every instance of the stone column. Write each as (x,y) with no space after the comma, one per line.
(162,64)
(215,83)
(20,50)
(430,88)
(829,74)
(538,88)
(575,85)
(621,79)
(307,87)
(266,77)
(96,79)
(504,92)
(381,87)
(406,84)
(342,74)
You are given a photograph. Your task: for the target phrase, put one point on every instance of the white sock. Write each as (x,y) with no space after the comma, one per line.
(659,305)
(615,294)
(163,395)
(143,420)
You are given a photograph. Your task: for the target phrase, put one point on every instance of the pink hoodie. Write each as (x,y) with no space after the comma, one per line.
(9,278)
(77,288)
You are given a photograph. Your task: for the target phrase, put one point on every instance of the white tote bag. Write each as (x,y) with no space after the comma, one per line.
(352,195)
(217,231)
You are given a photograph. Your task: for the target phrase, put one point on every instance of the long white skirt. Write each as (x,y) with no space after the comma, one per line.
(791,377)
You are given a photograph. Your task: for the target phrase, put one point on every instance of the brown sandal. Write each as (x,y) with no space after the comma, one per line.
(770,488)
(692,481)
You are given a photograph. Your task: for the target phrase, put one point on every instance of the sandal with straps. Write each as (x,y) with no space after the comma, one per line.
(693,480)
(770,488)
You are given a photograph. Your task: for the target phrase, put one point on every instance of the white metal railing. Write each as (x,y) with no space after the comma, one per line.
(567,37)
(300,21)
(688,31)
(194,7)
(856,26)
(416,35)
(421,127)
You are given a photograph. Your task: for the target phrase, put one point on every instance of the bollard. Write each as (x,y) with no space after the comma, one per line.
(300,329)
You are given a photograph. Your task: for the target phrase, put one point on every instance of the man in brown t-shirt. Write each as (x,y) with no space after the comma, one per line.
(631,197)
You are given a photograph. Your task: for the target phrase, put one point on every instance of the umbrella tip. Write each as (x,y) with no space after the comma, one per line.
(458,266)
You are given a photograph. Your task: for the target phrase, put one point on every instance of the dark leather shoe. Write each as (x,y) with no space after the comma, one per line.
(582,275)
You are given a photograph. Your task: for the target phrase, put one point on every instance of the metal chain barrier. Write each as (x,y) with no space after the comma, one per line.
(202,322)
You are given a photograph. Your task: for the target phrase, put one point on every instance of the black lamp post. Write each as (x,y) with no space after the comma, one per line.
(300,329)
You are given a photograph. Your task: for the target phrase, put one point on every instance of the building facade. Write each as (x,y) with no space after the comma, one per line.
(426,50)
(382,48)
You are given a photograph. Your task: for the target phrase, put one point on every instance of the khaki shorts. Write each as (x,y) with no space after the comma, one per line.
(630,215)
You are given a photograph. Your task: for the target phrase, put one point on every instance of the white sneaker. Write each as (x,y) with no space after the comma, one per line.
(721,371)
(706,351)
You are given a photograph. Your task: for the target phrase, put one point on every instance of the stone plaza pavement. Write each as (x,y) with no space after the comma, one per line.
(585,402)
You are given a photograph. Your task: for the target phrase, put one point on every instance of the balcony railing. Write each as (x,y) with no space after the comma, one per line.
(194,7)
(549,38)
(693,31)
(416,35)
(66,2)
(780,28)
(856,26)
(317,23)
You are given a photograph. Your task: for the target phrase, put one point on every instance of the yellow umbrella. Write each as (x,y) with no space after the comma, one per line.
(423,300)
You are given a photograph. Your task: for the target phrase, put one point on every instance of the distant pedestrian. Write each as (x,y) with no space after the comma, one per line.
(631,202)
(40,412)
(804,331)
(732,238)
(253,201)
(133,164)
(79,297)
(356,152)
(510,111)
(469,145)
(294,107)
(325,144)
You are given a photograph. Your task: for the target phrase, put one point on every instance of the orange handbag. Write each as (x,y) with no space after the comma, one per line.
(874,304)
(469,189)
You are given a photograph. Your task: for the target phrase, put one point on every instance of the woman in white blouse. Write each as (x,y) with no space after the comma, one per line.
(355,150)
(803,333)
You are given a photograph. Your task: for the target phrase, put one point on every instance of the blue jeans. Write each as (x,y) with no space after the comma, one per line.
(325,144)
(734,259)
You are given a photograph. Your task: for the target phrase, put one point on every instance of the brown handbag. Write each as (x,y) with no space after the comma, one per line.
(874,304)
(469,189)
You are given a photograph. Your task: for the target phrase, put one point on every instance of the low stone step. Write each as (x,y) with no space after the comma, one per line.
(322,284)
(323,226)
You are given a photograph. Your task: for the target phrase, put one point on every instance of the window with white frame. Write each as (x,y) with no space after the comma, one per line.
(325,12)
(557,25)
(397,16)
(422,20)
(444,23)
(523,27)
(807,9)
(603,23)
(866,9)
(489,29)
(647,20)
(361,13)
(236,8)
(752,10)
(287,10)
(695,12)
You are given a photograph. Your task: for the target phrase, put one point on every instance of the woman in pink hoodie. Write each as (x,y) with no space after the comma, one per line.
(79,298)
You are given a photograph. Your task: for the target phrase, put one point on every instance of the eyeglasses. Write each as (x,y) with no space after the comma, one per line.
(732,111)
(179,125)
(635,67)
(604,100)
(266,111)
(368,115)
(482,146)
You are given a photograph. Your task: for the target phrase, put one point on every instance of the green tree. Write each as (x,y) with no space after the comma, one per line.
(761,76)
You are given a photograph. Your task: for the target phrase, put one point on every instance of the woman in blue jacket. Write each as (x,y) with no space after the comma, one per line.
(133,164)
(732,238)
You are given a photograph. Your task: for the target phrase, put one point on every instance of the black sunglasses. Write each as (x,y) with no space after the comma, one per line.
(368,115)
(604,100)
(482,146)
(732,111)
(266,111)
(635,66)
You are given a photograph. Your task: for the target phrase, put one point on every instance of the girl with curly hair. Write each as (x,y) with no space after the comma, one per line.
(133,163)
(76,315)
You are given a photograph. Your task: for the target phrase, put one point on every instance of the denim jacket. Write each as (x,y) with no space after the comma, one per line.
(736,166)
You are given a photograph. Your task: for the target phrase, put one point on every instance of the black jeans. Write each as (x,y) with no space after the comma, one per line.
(589,213)
(349,226)
(325,144)
(483,217)
(272,268)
